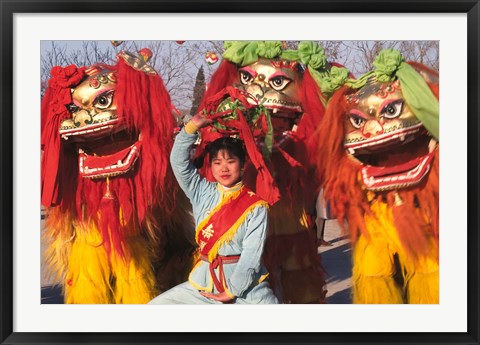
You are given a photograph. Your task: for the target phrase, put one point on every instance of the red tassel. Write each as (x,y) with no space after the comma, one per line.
(109,224)
(266,186)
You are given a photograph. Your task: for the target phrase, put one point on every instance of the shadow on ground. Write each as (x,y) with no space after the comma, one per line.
(340,297)
(337,262)
(52,295)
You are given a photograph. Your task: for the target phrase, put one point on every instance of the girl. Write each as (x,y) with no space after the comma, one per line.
(231,226)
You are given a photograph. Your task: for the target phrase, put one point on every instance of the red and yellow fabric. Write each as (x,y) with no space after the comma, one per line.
(121,231)
(220,227)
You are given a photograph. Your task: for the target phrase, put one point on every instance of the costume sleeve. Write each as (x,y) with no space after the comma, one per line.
(185,172)
(249,264)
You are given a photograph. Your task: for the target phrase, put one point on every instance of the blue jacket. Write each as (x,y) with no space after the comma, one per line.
(249,240)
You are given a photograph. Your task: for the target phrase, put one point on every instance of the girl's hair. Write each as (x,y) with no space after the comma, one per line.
(233,146)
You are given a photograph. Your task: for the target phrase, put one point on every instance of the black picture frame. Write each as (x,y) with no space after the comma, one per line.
(10,7)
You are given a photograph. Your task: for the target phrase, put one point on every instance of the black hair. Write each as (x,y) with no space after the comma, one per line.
(233,146)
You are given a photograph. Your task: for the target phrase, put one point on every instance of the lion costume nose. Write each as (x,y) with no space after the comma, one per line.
(82,118)
(256,90)
(372,127)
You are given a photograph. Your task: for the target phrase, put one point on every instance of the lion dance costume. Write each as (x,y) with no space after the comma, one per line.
(276,93)
(380,134)
(116,229)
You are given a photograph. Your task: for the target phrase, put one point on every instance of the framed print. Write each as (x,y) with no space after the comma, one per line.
(37,36)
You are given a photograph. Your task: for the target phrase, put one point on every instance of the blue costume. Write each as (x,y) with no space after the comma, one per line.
(244,279)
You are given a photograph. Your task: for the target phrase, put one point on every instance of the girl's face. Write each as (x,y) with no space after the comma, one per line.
(226,169)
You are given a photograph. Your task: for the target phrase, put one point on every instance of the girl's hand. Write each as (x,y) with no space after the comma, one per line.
(201,121)
(222,296)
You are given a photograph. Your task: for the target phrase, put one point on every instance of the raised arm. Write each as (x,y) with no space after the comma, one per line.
(185,172)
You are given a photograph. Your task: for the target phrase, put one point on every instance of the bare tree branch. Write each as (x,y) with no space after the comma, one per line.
(178,62)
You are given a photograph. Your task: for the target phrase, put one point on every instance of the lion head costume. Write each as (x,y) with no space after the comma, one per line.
(278,94)
(111,199)
(380,137)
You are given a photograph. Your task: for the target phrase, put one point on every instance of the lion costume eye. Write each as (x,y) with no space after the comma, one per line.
(356,120)
(104,100)
(72,108)
(245,77)
(392,110)
(279,82)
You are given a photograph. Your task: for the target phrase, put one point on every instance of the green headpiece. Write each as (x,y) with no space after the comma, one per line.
(245,53)
(328,78)
(390,65)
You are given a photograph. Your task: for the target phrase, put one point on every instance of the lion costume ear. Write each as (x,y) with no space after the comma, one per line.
(54,110)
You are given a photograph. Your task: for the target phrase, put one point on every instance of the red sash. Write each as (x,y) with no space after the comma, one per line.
(223,222)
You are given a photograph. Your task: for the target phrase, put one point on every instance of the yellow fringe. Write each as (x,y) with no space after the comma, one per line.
(88,277)
(57,237)
(381,225)
(374,267)
(93,278)
(376,290)
(75,258)
(134,278)
(373,271)
(422,288)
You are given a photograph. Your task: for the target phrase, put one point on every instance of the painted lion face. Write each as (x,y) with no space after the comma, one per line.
(276,85)
(105,146)
(94,110)
(95,123)
(385,136)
